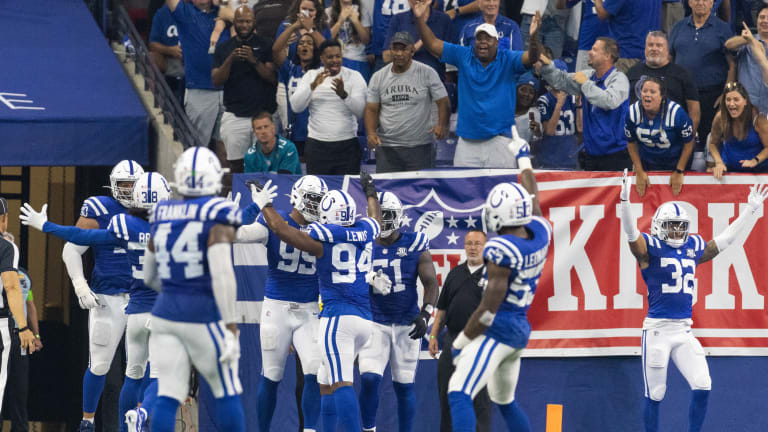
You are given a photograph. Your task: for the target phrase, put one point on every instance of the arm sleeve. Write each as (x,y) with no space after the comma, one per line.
(256,232)
(355,100)
(300,99)
(615,93)
(223,280)
(560,80)
(151,278)
(85,237)
(71,254)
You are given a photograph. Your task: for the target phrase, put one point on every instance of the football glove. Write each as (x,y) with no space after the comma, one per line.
(32,218)
(419,323)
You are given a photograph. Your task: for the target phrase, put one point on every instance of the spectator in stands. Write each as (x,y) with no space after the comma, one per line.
(681,87)
(605,96)
(351,25)
(553,22)
(437,21)
(591,28)
(508,30)
(739,134)
(659,135)
(383,11)
(335,96)
(300,9)
(165,51)
(629,22)
(244,66)
(697,44)
(527,116)
(289,74)
(398,109)
(225,17)
(672,11)
(202,100)
(751,50)
(459,297)
(558,111)
(269,151)
(487,82)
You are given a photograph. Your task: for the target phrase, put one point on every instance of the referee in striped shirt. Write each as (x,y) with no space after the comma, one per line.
(11,303)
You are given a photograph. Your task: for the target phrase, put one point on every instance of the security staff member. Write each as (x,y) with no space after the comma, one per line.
(459,297)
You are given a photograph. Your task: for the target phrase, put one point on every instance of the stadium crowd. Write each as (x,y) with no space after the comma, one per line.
(349,81)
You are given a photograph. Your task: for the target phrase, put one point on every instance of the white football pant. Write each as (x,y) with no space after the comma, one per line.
(486,361)
(390,343)
(341,339)
(282,324)
(106,324)
(175,347)
(137,345)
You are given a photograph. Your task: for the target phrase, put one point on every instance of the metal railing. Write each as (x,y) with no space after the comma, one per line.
(154,82)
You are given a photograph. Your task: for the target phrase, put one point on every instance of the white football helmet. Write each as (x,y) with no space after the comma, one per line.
(150,189)
(121,181)
(391,213)
(338,208)
(508,205)
(198,173)
(670,224)
(306,195)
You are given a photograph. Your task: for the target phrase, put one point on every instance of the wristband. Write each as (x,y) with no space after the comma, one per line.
(25,328)
(37,336)
(756,159)
(432,336)
(461,341)
(678,170)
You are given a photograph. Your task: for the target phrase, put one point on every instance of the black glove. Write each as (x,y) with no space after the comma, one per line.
(366,182)
(419,325)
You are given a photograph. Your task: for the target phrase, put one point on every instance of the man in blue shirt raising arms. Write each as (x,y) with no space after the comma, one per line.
(487,90)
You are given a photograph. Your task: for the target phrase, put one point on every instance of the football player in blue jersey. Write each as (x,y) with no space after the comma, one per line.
(487,351)
(194,319)
(343,247)
(668,257)
(659,135)
(130,232)
(107,294)
(289,314)
(398,324)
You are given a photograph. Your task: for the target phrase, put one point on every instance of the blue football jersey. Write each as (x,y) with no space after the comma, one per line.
(566,125)
(134,233)
(292,274)
(400,262)
(525,257)
(180,230)
(111,271)
(347,254)
(670,276)
(660,140)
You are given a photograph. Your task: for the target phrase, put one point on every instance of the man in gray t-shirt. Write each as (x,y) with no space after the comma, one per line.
(399,108)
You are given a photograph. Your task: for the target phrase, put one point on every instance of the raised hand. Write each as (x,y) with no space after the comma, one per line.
(263,196)
(420,9)
(626,186)
(338,86)
(518,146)
(32,218)
(366,183)
(757,194)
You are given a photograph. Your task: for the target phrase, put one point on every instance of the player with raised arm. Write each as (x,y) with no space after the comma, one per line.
(343,247)
(398,323)
(106,296)
(487,351)
(130,232)
(194,320)
(667,258)
(289,314)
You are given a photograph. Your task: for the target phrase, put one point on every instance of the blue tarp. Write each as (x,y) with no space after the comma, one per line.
(64,98)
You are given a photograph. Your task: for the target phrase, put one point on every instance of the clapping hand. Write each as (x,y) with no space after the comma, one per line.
(338,86)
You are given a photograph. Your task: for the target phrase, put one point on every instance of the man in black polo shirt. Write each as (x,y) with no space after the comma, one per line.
(243,65)
(681,88)
(458,299)
(11,303)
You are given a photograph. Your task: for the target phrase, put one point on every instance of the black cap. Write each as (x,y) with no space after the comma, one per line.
(3,206)
(402,37)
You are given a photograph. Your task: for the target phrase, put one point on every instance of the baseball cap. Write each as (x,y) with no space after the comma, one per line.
(3,206)
(489,29)
(528,78)
(402,37)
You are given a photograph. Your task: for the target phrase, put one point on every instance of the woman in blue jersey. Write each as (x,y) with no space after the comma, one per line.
(659,135)
(739,138)
(351,24)
(291,70)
